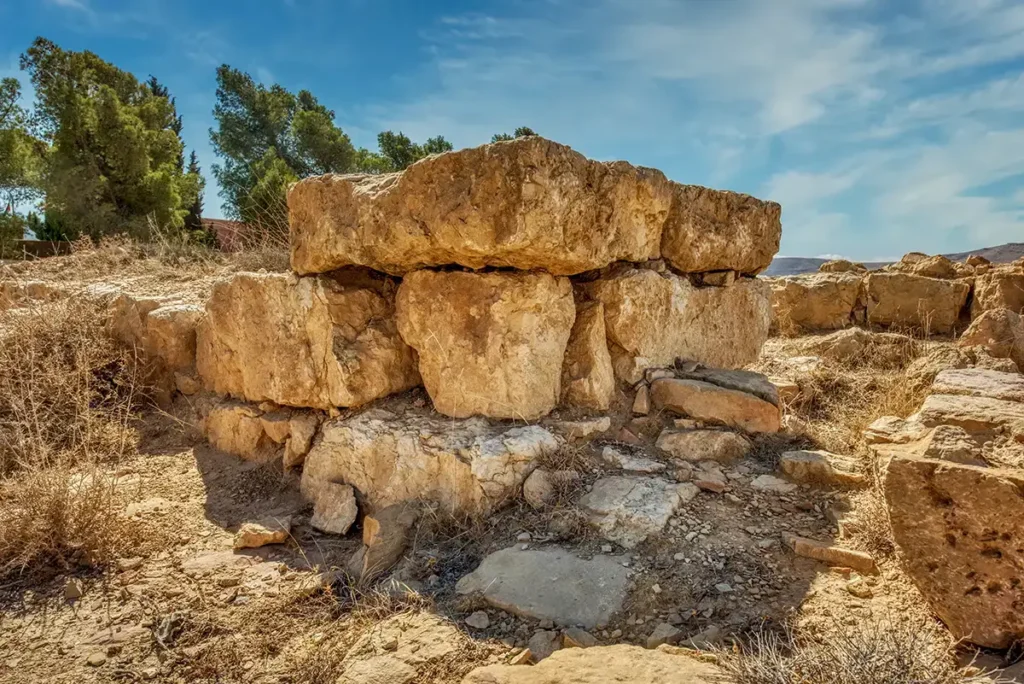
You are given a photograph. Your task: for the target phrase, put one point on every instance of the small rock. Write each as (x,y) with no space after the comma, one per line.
(543,643)
(479,620)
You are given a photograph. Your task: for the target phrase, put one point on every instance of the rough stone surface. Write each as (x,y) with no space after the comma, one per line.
(817,301)
(550,584)
(402,649)
(588,380)
(821,468)
(627,510)
(695,446)
(258,533)
(488,343)
(961,530)
(706,402)
(334,506)
(717,230)
(901,299)
(466,466)
(1002,289)
(623,664)
(302,342)
(654,318)
(1000,332)
(528,204)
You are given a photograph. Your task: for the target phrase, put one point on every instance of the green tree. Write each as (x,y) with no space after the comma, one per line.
(520,132)
(21,154)
(114,161)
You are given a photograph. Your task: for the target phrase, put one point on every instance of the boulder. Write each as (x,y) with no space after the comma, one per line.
(621,663)
(488,343)
(936,266)
(842,266)
(695,446)
(1000,289)
(550,584)
(818,301)
(654,318)
(1000,332)
(467,466)
(588,380)
(960,530)
(901,299)
(717,230)
(528,203)
(711,403)
(627,510)
(302,342)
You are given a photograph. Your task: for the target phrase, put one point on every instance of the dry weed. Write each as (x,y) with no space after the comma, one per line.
(872,652)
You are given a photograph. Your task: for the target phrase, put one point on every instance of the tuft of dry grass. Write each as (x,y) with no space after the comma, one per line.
(874,652)
(68,392)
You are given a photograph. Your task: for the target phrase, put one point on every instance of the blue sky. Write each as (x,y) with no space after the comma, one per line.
(882,126)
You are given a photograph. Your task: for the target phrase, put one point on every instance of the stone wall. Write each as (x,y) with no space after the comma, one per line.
(921,293)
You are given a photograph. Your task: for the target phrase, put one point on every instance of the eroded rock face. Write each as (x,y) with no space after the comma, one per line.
(302,342)
(1002,289)
(818,301)
(468,467)
(488,343)
(529,203)
(588,380)
(653,318)
(961,530)
(718,230)
(1000,332)
(901,299)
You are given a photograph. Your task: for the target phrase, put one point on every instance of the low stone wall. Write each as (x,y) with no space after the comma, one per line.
(927,294)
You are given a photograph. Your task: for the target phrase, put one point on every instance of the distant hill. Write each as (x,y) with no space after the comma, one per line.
(1001,254)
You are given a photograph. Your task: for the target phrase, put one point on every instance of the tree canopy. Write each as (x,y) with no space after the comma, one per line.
(115,159)
(268,137)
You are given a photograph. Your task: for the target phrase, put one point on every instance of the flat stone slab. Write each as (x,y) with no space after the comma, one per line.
(550,584)
(627,510)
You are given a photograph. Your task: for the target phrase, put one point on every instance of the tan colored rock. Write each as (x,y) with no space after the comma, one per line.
(622,663)
(588,380)
(468,466)
(488,343)
(653,318)
(960,530)
(235,428)
(818,301)
(900,299)
(710,403)
(528,204)
(717,230)
(842,266)
(695,446)
(936,266)
(1000,332)
(302,342)
(827,553)
(821,468)
(259,533)
(998,289)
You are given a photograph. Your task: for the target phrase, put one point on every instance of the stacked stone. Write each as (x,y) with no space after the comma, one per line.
(931,294)
(508,279)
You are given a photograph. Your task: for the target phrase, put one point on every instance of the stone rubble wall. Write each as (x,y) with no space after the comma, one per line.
(926,294)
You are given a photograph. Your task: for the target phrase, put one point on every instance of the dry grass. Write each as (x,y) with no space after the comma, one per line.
(876,652)
(67,395)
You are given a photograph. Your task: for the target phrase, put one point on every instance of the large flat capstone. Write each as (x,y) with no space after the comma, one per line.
(310,342)
(489,343)
(550,584)
(528,204)
(467,466)
(654,318)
